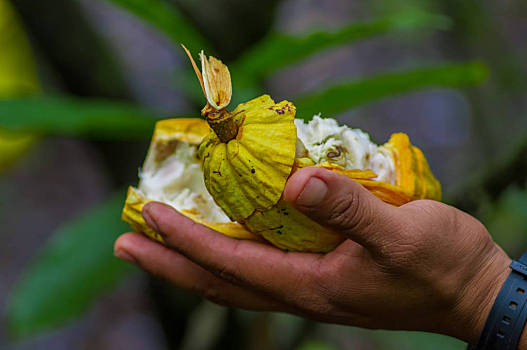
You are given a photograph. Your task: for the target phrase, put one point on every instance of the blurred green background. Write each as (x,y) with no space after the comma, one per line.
(82,83)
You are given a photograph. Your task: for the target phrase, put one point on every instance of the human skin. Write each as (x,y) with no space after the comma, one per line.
(423,266)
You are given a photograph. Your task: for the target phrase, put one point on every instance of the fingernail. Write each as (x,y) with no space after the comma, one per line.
(149,220)
(313,193)
(124,255)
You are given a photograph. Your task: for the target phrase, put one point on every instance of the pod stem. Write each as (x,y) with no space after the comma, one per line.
(222,122)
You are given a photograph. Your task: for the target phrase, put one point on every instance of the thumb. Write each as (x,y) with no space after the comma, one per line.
(339,203)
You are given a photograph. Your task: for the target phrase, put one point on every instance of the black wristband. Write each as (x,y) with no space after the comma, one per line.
(507,317)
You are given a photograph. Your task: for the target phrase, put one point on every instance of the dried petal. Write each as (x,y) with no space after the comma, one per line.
(217,82)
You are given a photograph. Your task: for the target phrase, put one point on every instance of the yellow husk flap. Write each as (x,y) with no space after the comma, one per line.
(413,173)
(168,135)
(132,215)
(289,229)
(249,172)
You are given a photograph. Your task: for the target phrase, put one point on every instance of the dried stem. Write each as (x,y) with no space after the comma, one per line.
(222,122)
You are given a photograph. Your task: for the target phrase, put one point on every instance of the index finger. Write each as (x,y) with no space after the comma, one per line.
(280,274)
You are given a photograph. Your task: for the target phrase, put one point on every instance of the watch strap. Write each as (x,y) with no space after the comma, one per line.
(508,315)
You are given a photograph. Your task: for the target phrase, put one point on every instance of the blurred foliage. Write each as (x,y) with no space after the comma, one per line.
(17,77)
(507,220)
(74,117)
(12,146)
(205,326)
(416,340)
(76,265)
(278,50)
(17,68)
(70,271)
(342,96)
(476,192)
(168,19)
(344,337)
(314,345)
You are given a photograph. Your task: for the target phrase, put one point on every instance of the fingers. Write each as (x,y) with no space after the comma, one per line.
(284,276)
(337,202)
(178,270)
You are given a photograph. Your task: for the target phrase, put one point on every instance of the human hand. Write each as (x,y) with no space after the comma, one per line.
(422,266)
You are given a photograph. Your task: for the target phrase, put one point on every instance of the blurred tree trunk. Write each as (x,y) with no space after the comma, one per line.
(64,38)
(231,26)
(477,33)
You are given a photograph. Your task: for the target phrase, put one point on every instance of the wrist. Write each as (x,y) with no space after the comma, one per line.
(523,342)
(478,295)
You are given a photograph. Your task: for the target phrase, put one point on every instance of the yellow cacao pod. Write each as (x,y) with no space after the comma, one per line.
(231,176)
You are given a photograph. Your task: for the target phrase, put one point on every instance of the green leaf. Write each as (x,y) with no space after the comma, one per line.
(343,96)
(315,345)
(17,65)
(415,340)
(167,18)
(17,77)
(278,50)
(71,271)
(507,222)
(73,117)
(12,146)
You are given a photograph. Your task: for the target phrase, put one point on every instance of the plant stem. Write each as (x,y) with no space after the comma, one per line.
(223,124)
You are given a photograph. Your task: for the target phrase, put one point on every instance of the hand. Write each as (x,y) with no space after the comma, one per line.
(422,266)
